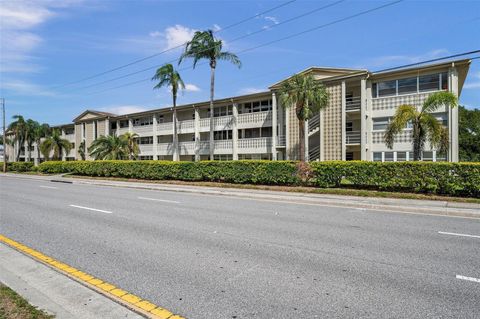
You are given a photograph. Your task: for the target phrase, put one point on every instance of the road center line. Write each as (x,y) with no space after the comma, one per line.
(468,278)
(456,234)
(94,209)
(49,187)
(159,200)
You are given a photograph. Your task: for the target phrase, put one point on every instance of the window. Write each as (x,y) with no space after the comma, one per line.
(377,156)
(222,135)
(349,156)
(444,80)
(429,82)
(70,131)
(160,119)
(95,130)
(349,126)
(123,123)
(387,88)
(143,121)
(388,156)
(113,125)
(266,132)
(265,105)
(222,111)
(442,118)
(427,156)
(374,90)
(380,123)
(145,140)
(441,157)
(401,156)
(145,157)
(83,130)
(406,86)
(223,157)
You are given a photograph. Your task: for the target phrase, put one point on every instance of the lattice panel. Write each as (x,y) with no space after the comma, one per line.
(293,134)
(404,137)
(392,102)
(332,124)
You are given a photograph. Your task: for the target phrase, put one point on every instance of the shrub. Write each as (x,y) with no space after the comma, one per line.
(19,166)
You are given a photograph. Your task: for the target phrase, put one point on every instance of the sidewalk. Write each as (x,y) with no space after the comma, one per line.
(53,292)
(435,207)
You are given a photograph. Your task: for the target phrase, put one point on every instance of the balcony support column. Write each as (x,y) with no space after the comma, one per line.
(118,128)
(64,153)
(155,138)
(363,119)
(321,143)
(197,133)
(453,116)
(306,148)
(235,131)
(344,115)
(274,127)
(107,126)
(287,133)
(368,122)
(130,125)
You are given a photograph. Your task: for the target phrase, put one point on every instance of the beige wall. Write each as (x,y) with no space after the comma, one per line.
(293,139)
(100,128)
(332,124)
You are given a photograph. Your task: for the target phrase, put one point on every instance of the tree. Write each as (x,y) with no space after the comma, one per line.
(469,134)
(18,127)
(31,127)
(168,76)
(41,131)
(308,97)
(425,127)
(56,144)
(132,145)
(81,150)
(204,46)
(110,147)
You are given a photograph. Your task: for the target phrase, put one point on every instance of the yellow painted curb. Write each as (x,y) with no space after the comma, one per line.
(123,297)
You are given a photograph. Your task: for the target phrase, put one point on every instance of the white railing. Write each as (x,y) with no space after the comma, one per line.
(220,123)
(165,127)
(187,126)
(223,144)
(314,122)
(254,119)
(145,149)
(122,130)
(259,144)
(353,103)
(143,129)
(165,148)
(352,137)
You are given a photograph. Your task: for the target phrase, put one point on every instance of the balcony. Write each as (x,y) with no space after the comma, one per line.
(146,149)
(281,140)
(187,126)
(352,138)
(255,145)
(165,128)
(220,123)
(143,130)
(353,103)
(256,119)
(122,130)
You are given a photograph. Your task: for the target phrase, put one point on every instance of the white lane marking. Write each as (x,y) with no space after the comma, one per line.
(49,187)
(159,200)
(94,209)
(457,234)
(468,278)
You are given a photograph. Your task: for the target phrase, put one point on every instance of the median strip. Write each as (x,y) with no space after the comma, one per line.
(131,301)
(159,200)
(93,209)
(457,234)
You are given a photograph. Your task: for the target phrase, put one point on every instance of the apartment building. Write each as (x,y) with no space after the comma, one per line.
(257,126)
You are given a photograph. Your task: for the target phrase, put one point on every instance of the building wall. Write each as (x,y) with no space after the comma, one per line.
(332,124)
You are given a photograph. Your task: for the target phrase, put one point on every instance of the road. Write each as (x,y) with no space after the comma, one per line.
(205,256)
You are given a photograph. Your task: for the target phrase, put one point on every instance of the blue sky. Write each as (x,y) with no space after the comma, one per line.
(46,44)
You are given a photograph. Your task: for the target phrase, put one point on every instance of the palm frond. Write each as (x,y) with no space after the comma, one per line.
(404,114)
(439,99)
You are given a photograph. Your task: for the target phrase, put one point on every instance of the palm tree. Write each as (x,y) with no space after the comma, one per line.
(81,150)
(55,143)
(205,46)
(132,145)
(425,127)
(168,76)
(110,147)
(31,127)
(41,131)
(308,97)
(18,127)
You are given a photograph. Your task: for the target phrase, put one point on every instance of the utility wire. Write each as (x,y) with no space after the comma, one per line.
(175,47)
(273,41)
(231,41)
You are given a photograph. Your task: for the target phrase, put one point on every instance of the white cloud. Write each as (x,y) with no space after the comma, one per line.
(389,60)
(216,28)
(173,36)
(472,85)
(123,109)
(26,88)
(250,90)
(191,88)
(272,19)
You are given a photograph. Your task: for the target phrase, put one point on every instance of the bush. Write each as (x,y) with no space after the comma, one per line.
(19,166)
(458,179)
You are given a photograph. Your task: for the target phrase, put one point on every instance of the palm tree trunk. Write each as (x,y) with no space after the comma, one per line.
(175,135)
(301,140)
(212,90)
(20,143)
(416,142)
(38,152)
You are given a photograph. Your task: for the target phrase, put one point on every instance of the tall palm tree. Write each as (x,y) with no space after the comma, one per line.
(308,97)
(205,46)
(31,127)
(18,127)
(81,150)
(425,127)
(168,76)
(55,143)
(109,147)
(132,145)
(41,131)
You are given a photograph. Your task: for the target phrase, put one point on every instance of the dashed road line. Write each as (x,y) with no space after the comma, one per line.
(457,234)
(468,278)
(159,200)
(49,187)
(92,209)
(123,297)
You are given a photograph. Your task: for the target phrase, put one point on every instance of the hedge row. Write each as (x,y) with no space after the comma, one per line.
(459,179)
(19,166)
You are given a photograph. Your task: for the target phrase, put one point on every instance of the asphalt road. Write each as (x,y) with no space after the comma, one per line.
(205,256)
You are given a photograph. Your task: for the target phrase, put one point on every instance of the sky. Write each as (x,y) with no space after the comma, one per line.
(53,50)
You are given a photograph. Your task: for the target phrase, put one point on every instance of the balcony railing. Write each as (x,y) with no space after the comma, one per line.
(255,119)
(165,127)
(259,144)
(145,129)
(122,130)
(353,103)
(281,140)
(352,137)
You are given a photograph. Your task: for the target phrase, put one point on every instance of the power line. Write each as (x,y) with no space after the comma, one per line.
(175,47)
(231,41)
(277,40)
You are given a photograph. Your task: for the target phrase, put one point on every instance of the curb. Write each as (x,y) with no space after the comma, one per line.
(130,301)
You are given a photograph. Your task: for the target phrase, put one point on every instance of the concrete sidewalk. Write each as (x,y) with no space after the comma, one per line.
(53,292)
(435,207)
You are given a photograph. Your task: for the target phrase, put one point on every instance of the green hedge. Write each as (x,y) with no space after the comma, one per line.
(19,166)
(458,179)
